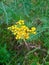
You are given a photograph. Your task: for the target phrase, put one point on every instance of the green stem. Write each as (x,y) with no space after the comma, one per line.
(32,51)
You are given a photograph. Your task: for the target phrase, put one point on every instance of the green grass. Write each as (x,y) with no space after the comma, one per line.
(35,13)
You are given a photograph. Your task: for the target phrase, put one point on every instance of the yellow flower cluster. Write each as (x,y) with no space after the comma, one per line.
(21,31)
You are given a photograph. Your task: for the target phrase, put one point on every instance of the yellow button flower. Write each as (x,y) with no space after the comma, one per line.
(33,28)
(34,32)
(18,37)
(9,28)
(20,22)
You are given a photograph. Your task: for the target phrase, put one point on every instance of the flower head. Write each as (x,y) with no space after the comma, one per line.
(20,22)
(33,30)
(23,31)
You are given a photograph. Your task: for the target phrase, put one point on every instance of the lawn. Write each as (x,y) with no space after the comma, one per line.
(24,32)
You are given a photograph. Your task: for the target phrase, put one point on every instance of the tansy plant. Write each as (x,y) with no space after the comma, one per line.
(21,31)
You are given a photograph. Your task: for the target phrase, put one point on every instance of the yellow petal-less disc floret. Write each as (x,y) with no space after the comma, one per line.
(20,22)
(33,29)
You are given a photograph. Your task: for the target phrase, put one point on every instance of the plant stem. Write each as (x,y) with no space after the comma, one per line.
(26,44)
